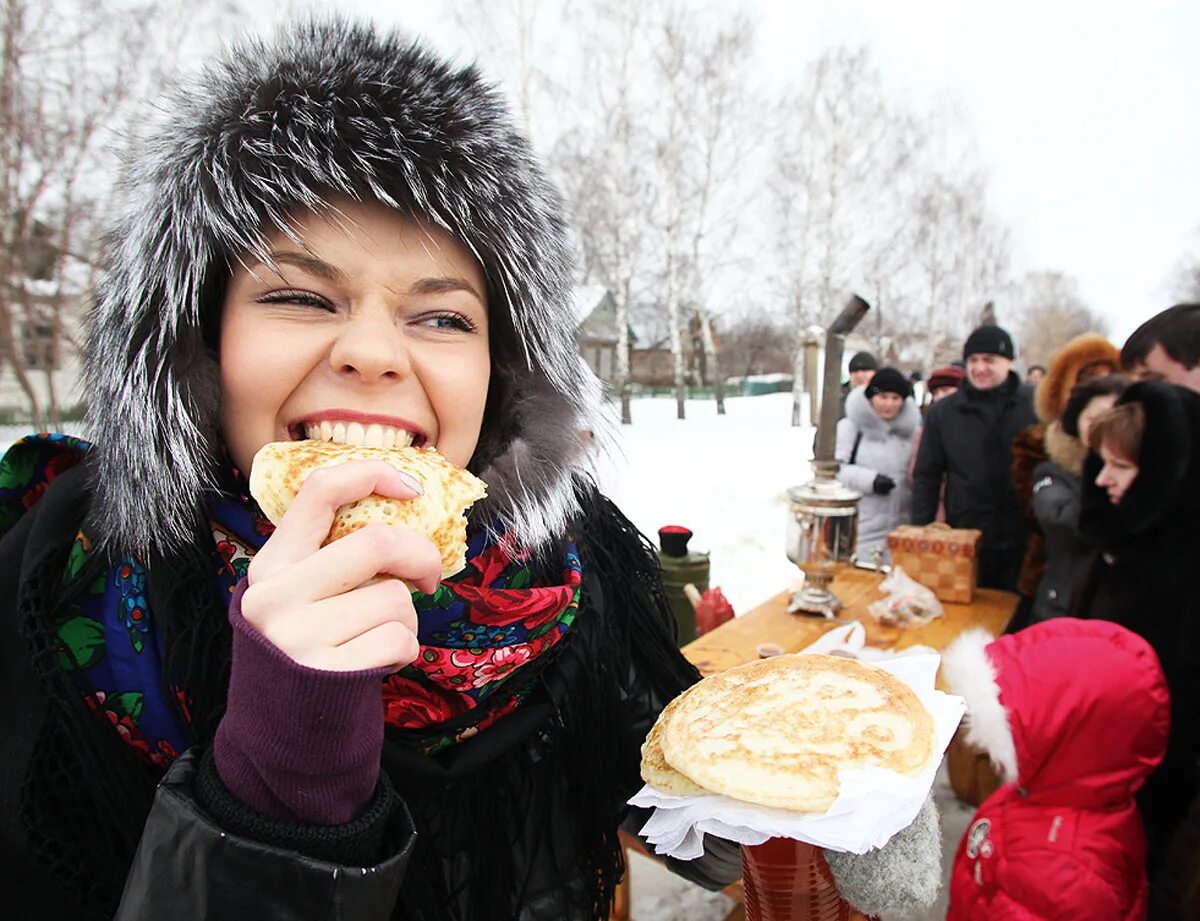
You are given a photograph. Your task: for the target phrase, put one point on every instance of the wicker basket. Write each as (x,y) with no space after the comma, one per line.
(940,557)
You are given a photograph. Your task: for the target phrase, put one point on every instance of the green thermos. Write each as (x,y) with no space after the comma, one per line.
(679,568)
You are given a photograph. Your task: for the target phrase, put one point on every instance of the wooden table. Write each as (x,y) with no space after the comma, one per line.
(735,642)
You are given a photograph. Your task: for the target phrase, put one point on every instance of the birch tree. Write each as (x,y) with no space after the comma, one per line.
(520,41)
(73,78)
(840,146)
(670,56)
(1052,312)
(961,255)
(722,140)
(602,166)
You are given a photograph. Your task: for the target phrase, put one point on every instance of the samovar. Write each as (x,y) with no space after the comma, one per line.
(823,521)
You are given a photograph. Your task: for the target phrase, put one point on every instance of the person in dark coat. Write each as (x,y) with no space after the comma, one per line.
(1140,509)
(967,445)
(336,236)
(862,368)
(1167,347)
(1057,494)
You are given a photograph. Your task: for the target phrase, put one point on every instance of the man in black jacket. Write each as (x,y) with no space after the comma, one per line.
(967,444)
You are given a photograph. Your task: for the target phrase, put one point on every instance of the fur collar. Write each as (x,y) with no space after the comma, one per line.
(1065,450)
(863,415)
(271,128)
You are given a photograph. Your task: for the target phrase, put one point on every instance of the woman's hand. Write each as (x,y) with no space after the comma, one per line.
(311,601)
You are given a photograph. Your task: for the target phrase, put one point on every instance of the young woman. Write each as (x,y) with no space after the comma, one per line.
(1057,487)
(1139,512)
(337,236)
(874,444)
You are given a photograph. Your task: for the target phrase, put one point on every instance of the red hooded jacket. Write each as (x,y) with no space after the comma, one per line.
(1075,714)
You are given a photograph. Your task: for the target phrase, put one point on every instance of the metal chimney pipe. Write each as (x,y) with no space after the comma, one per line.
(831,391)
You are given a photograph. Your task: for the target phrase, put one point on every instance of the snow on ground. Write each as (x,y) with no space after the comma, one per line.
(725,477)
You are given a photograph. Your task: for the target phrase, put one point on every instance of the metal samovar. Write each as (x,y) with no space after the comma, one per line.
(823,523)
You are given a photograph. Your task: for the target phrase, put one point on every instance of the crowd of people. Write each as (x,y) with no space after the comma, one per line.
(1082,481)
(210,715)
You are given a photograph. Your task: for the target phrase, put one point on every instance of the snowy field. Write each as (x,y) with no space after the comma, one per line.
(726,478)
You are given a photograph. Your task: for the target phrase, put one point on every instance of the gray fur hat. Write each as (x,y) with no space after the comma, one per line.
(273,128)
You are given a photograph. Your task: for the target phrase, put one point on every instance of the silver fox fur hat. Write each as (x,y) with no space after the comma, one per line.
(273,128)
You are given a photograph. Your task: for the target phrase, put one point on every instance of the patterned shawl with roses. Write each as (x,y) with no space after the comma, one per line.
(477,631)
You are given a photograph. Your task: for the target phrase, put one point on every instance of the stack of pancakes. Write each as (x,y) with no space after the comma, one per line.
(777,731)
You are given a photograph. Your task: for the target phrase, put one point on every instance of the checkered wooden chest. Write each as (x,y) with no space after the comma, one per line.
(943,558)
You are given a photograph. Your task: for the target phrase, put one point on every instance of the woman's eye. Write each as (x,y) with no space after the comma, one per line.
(299,298)
(449,321)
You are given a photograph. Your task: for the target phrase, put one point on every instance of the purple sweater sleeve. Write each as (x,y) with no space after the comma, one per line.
(296,743)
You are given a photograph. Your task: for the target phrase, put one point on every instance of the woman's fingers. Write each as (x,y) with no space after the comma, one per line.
(377,549)
(390,645)
(307,521)
(336,621)
(370,627)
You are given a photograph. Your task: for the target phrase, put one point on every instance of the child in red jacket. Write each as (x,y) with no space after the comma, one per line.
(1075,715)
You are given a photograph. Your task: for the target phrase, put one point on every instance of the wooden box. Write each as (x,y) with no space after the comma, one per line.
(942,558)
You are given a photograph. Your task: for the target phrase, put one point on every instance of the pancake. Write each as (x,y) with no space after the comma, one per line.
(281,467)
(775,732)
(655,769)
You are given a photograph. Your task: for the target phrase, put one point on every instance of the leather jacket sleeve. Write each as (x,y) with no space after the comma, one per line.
(188,867)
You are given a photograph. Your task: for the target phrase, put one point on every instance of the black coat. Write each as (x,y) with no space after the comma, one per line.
(203,854)
(967,443)
(1144,573)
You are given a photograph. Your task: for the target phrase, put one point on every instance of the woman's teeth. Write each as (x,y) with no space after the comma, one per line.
(355,433)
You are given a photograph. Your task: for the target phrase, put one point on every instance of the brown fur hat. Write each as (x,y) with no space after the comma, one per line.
(1052,393)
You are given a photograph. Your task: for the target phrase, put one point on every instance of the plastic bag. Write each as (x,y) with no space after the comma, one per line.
(907,603)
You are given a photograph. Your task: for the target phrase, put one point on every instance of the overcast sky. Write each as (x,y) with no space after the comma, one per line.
(1084,113)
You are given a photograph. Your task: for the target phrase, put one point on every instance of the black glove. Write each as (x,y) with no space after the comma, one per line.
(883,484)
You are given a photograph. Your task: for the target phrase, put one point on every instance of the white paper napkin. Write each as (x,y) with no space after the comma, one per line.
(872,805)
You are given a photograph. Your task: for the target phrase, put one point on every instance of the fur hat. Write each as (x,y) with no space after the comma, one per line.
(271,128)
(1063,374)
(948,376)
(988,340)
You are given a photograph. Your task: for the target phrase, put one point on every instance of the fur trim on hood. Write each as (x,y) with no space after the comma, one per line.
(1065,450)
(272,128)
(863,415)
(970,674)
(1050,399)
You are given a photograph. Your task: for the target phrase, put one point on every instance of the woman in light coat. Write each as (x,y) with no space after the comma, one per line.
(875,441)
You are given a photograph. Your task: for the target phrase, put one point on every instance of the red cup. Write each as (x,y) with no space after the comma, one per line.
(788,880)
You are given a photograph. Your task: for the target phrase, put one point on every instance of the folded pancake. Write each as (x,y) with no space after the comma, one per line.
(777,731)
(655,770)
(280,468)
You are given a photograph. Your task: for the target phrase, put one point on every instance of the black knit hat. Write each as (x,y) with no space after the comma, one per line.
(889,380)
(863,361)
(988,340)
